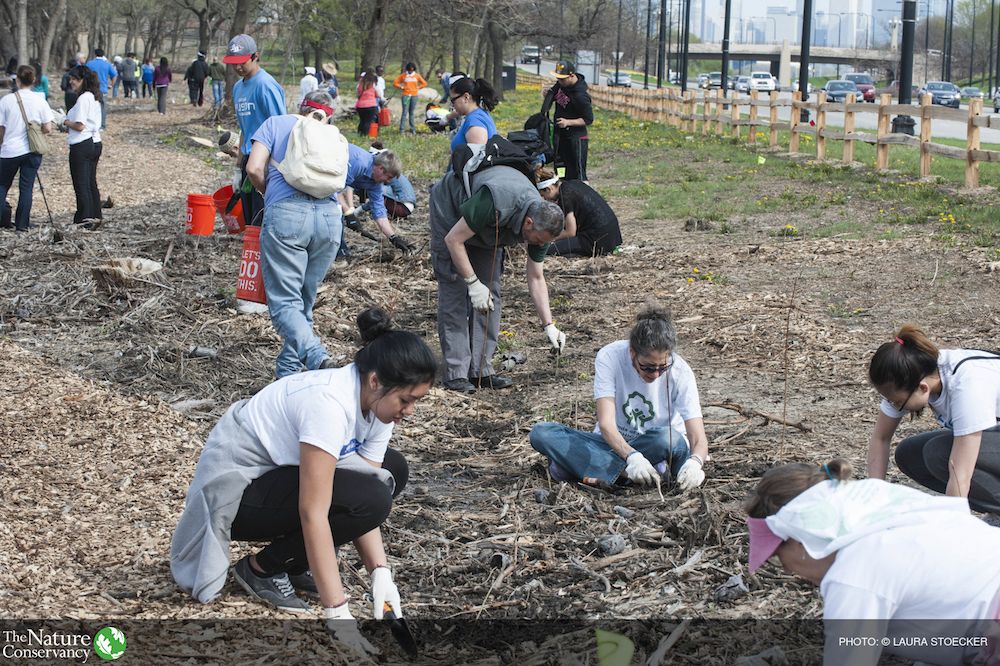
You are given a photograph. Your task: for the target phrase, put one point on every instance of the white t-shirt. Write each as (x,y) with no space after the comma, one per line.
(307,84)
(380,87)
(15,138)
(87,110)
(970,398)
(321,408)
(640,406)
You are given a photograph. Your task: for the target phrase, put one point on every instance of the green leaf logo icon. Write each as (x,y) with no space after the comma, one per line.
(109,643)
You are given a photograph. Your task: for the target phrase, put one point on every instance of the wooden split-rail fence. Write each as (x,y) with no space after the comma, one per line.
(747,116)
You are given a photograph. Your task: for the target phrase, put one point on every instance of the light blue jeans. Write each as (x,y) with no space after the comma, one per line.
(586,455)
(299,238)
(409,104)
(218,92)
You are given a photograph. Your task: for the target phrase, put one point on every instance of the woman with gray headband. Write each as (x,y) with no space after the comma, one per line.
(646,393)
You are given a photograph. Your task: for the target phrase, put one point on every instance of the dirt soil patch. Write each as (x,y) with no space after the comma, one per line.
(111,390)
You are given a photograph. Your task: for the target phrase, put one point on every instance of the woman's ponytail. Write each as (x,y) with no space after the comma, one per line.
(904,361)
(484,94)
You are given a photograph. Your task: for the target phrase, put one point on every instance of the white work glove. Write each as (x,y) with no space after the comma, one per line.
(556,338)
(691,474)
(58,117)
(640,470)
(479,294)
(384,591)
(343,628)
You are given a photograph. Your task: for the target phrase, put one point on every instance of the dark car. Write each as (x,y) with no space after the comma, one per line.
(865,84)
(943,93)
(838,90)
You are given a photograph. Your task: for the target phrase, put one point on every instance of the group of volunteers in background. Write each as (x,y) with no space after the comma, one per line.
(306,465)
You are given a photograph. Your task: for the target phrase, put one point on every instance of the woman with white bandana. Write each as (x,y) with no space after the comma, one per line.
(962,387)
(591,225)
(895,566)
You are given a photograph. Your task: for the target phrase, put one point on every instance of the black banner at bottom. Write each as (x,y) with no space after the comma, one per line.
(613,642)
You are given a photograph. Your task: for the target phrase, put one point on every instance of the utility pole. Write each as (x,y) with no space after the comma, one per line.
(670,38)
(949,29)
(687,44)
(927,36)
(989,58)
(725,46)
(661,55)
(618,43)
(972,54)
(807,11)
(645,59)
(904,124)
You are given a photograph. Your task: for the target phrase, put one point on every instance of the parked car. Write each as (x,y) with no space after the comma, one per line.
(865,84)
(972,92)
(837,90)
(742,84)
(621,80)
(943,93)
(762,81)
(893,89)
(531,54)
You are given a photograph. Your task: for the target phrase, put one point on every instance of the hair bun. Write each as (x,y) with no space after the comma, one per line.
(372,323)
(654,310)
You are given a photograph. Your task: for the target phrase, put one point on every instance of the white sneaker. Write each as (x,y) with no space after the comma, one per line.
(249,307)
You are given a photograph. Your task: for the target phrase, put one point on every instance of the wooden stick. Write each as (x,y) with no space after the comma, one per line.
(745,411)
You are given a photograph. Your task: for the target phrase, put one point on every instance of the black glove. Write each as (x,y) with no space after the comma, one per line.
(405,246)
(352,222)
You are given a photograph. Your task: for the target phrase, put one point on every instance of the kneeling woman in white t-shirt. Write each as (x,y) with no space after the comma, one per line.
(896,567)
(962,386)
(305,465)
(645,393)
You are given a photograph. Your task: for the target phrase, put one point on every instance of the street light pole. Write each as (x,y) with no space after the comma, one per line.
(904,124)
(989,58)
(972,54)
(687,45)
(927,36)
(725,46)
(661,45)
(807,11)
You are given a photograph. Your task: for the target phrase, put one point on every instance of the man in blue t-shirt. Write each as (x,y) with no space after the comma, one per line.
(107,73)
(256,97)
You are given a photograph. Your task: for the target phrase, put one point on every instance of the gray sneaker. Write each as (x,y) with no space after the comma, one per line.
(275,590)
(304,583)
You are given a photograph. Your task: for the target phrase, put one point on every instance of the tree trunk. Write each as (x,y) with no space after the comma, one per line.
(497,37)
(375,35)
(50,34)
(456,48)
(22,32)
(238,26)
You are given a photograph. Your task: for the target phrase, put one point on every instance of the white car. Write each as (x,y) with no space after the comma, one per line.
(762,81)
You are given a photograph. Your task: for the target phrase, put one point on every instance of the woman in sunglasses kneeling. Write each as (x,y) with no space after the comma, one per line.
(646,394)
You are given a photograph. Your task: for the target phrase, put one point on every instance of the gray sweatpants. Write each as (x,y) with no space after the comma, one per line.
(924,458)
(468,339)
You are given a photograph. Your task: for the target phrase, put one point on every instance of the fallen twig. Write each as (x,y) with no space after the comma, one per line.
(748,412)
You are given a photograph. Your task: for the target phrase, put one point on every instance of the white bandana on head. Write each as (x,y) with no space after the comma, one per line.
(833,514)
(548,183)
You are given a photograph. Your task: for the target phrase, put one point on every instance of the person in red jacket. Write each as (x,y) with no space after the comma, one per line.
(410,82)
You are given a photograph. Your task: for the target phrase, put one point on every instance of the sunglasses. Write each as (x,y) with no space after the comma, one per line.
(653,369)
(456,97)
(902,405)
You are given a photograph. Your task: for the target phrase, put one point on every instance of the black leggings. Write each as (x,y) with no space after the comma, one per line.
(366,116)
(924,458)
(269,511)
(83,158)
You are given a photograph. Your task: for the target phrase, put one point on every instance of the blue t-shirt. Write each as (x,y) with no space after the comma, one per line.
(147,73)
(359,177)
(478,118)
(273,134)
(105,71)
(255,101)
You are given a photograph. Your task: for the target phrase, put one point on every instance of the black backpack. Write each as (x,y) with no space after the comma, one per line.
(498,151)
(536,138)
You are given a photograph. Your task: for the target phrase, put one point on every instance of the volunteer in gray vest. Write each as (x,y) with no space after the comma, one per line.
(469,231)
(305,465)
(299,238)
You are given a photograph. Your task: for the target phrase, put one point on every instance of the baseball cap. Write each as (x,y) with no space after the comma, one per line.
(241,48)
(564,68)
(763,542)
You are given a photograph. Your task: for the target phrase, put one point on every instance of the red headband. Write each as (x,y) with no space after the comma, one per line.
(316,105)
(899,340)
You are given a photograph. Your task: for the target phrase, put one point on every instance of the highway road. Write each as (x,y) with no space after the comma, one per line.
(862,121)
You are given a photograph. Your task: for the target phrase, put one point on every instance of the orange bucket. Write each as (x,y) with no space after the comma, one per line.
(233,219)
(373,130)
(384,117)
(200,215)
(250,285)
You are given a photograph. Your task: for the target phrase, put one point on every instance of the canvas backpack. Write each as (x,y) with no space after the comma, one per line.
(315,159)
(468,160)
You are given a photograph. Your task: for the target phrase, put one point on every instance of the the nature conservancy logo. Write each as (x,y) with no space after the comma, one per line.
(638,410)
(109,643)
(47,644)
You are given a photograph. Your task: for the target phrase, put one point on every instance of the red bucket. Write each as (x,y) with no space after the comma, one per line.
(384,117)
(233,219)
(200,219)
(250,286)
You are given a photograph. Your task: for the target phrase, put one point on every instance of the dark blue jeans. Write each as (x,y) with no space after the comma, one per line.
(586,454)
(27,165)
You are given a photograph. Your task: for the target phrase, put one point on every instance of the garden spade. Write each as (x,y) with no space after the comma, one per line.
(399,628)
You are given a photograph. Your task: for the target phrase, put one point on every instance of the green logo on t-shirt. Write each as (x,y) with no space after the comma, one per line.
(638,410)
